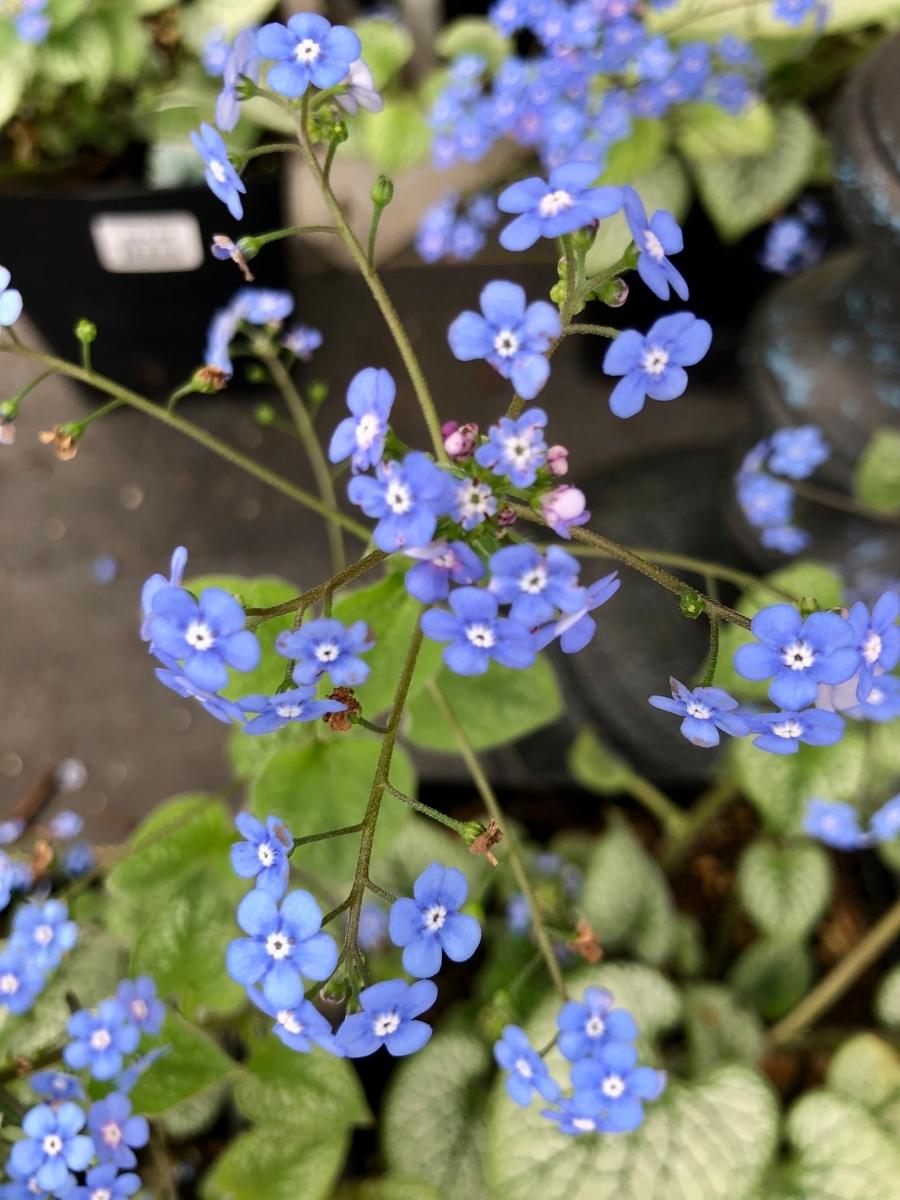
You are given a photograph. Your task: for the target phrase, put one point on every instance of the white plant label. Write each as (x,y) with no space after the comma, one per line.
(147,243)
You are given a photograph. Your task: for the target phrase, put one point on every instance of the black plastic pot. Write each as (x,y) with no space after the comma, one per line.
(135,262)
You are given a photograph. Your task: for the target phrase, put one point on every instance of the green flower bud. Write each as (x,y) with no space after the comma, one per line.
(808,605)
(613,293)
(317,392)
(583,239)
(264,414)
(86,331)
(691,604)
(257,374)
(382,191)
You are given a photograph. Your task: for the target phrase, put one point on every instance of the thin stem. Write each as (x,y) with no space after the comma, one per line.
(305,599)
(709,806)
(98,413)
(370,725)
(488,796)
(268,148)
(324,837)
(571,279)
(314,452)
(830,499)
(838,980)
(255,242)
(377,211)
(329,158)
(376,890)
(712,656)
(428,811)
(336,912)
(656,802)
(30,386)
(605,331)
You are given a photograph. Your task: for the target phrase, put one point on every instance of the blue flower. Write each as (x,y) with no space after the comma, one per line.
(797,654)
(431,925)
(562,204)
(476,634)
(44,933)
(302,340)
(56,1085)
(576,629)
(527,1071)
(731,92)
(262,306)
(619,1084)
(705,710)
(877,638)
(101,1039)
(299,1028)
(790,246)
(242,62)
(325,645)
(307,50)
(406,498)
(578,1114)
(21,981)
(223,710)
(284,945)
(373,928)
(215,52)
(264,855)
(78,860)
(297,704)
(116,1132)
(10,301)
(834,823)
(474,502)
(653,365)
(885,821)
(882,703)
(766,503)
(221,177)
(360,91)
(11,830)
(65,825)
(787,539)
(516,448)
(208,635)
(442,563)
(370,398)
(795,12)
(157,582)
(32,24)
(782,732)
(535,585)
(106,1183)
(513,338)
(655,238)
(388,1019)
(797,452)
(142,1005)
(585,1028)
(52,1147)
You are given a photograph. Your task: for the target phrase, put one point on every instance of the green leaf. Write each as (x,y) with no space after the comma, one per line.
(398,138)
(13,81)
(637,153)
(877,479)
(772,975)
(664,185)
(741,193)
(474,35)
(705,133)
(199,19)
(84,53)
(388,1189)
(265,1163)
(785,889)
(193,1065)
(326,786)
(719,1029)
(595,766)
(433,1124)
(386,47)
(707,20)
(494,709)
(420,842)
(887,999)
(867,1069)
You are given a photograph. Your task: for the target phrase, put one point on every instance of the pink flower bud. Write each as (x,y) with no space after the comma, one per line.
(558,460)
(460,442)
(563,508)
(449,427)
(505,518)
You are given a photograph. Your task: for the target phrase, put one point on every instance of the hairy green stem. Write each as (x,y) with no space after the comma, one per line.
(426,809)
(571,279)
(830,499)
(256,241)
(712,657)
(305,599)
(326,835)
(605,331)
(656,802)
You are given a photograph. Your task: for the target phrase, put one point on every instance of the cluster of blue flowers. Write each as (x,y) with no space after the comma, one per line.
(285,946)
(763,487)
(819,666)
(608,1087)
(455,231)
(17,875)
(795,241)
(254,306)
(29,18)
(838,824)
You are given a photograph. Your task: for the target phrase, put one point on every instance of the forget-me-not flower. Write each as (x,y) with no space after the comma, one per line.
(527,1072)
(284,708)
(116,1133)
(360,437)
(516,447)
(242,62)
(477,634)
(206,635)
(105,1183)
(44,933)
(620,1084)
(327,646)
(440,564)
(360,90)
(142,1005)
(882,703)
(576,629)
(656,238)
(535,585)
(308,50)
(221,177)
(586,1027)
(652,364)
(302,340)
(782,732)
(797,654)
(299,1028)
(56,1085)
(561,204)
(21,982)
(53,1146)
(10,301)
(797,452)
(474,502)
(705,711)
(877,637)
(431,925)
(101,1039)
(388,1018)
(157,582)
(834,823)
(406,498)
(264,854)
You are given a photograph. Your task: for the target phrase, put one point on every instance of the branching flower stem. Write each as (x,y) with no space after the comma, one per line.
(426,809)
(256,616)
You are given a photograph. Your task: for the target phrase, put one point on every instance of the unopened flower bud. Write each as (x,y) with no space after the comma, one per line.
(461,442)
(506,517)
(583,239)
(257,373)
(558,460)
(691,604)
(317,393)
(339,132)
(613,293)
(264,414)
(808,605)
(209,380)
(382,191)
(63,439)
(563,508)
(86,331)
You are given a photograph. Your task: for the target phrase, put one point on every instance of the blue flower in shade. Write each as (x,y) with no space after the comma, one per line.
(360,438)
(221,333)
(877,639)
(215,52)
(431,925)
(262,306)
(242,62)
(576,629)
(882,703)
(373,928)
(731,92)
(797,654)
(264,855)
(535,585)
(360,91)
(78,860)
(274,712)
(614,1078)
(563,203)
(653,364)
(512,337)
(388,1019)
(221,177)
(766,503)
(782,732)
(308,50)
(797,452)
(527,1071)
(142,1005)
(579,1114)
(11,831)
(32,24)
(790,246)
(474,503)
(302,340)
(834,823)
(794,12)
(126,1080)
(476,634)
(10,301)
(157,582)
(65,825)
(21,982)
(101,1039)
(53,1146)
(516,448)
(299,1028)
(441,563)
(285,944)
(406,498)
(518,914)
(325,645)
(116,1133)
(585,1028)
(656,238)
(56,1085)
(705,710)
(44,933)
(884,823)
(787,539)
(106,1183)
(223,710)
(208,635)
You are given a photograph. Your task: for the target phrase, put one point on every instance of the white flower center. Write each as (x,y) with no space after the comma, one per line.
(695,709)
(287,712)
(327,652)
(434,917)
(613,1086)
(446,561)
(595,1026)
(655,360)
(43,935)
(52,1145)
(875,696)
(367,430)
(506,343)
(519,451)
(554,203)
(217,170)
(101,1193)
(798,656)
(653,245)
(265,854)
(476,499)
(100,1039)
(871,648)
(398,497)
(584,1124)
(481,636)
(289,1022)
(385,1024)
(278,945)
(307,51)
(9,984)
(111,1133)
(534,581)
(787,729)
(140,1010)
(523,1067)
(199,635)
